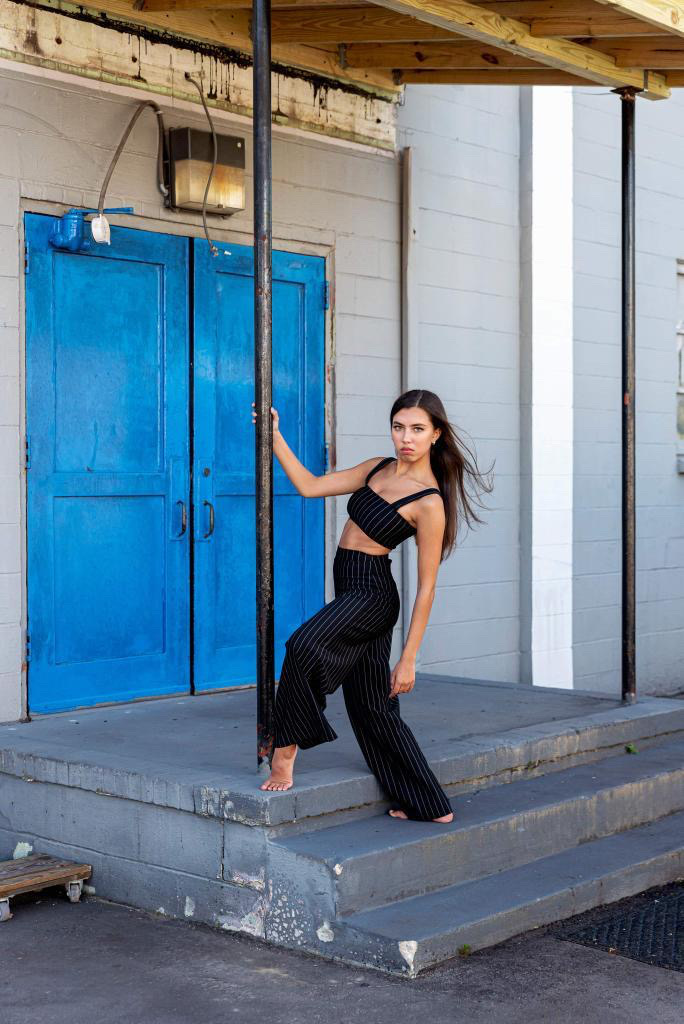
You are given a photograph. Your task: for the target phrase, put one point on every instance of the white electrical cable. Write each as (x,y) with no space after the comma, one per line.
(119,149)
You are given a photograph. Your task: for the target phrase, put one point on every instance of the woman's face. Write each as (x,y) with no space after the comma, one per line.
(413,434)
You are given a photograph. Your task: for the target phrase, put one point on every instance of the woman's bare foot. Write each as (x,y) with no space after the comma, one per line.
(396,813)
(282,765)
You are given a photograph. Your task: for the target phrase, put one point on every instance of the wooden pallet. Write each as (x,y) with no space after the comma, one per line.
(39,871)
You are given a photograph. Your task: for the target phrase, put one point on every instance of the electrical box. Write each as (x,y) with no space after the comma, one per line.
(189,158)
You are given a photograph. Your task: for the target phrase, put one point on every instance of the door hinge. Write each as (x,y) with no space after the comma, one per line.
(27,452)
(28,647)
(26,257)
(326,456)
(326,295)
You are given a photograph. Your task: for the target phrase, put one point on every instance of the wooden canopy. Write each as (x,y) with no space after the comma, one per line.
(386,43)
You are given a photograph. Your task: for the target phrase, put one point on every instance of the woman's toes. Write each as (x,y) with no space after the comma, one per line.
(275,785)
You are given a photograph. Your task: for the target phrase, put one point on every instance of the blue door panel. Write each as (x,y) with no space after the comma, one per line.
(107,418)
(107,337)
(225,596)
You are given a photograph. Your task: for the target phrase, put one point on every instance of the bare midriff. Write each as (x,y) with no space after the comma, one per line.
(353,537)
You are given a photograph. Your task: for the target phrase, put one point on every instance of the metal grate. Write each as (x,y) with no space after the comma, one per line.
(648,929)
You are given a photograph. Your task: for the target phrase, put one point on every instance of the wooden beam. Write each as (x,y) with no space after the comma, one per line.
(475,23)
(667,52)
(351,25)
(667,15)
(597,26)
(431,55)
(168,6)
(530,10)
(571,19)
(538,76)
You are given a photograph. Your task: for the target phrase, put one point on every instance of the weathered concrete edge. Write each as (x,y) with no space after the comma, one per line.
(473,759)
(485,848)
(409,958)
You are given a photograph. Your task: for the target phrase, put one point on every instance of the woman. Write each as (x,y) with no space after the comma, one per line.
(421,492)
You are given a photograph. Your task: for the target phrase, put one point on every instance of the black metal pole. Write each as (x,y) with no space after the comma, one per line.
(261,80)
(628,103)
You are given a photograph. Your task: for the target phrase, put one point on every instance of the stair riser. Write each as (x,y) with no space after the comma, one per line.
(385,954)
(442,860)
(521,772)
(564,747)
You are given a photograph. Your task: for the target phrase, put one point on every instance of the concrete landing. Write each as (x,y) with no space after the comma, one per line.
(197,754)
(162,798)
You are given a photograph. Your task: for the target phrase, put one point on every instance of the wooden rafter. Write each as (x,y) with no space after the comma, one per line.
(494,29)
(643,52)
(431,55)
(572,27)
(665,14)
(169,6)
(350,25)
(538,76)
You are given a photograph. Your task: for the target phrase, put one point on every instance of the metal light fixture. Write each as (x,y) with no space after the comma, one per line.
(190,159)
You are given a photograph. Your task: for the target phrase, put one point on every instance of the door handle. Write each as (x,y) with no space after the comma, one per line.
(211,519)
(184,517)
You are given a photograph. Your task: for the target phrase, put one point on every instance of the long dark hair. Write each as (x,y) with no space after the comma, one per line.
(453,464)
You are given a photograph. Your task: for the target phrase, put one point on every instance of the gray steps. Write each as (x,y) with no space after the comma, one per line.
(412,934)
(374,861)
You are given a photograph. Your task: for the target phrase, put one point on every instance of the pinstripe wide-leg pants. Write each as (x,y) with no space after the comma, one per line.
(348,642)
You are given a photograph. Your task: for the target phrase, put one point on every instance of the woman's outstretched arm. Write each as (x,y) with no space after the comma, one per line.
(343,481)
(430,523)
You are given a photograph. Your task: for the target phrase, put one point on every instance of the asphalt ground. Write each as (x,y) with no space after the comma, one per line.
(100,963)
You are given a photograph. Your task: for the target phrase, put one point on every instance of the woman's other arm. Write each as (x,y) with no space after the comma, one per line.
(307,484)
(430,523)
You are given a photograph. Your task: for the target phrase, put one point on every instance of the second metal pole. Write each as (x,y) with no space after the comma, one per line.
(628,103)
(263,235)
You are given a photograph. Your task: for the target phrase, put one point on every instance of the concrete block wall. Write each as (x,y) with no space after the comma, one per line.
(56,140)
(466,158)
(597,432)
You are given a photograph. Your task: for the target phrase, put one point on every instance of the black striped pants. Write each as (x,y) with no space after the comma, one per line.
(348,642)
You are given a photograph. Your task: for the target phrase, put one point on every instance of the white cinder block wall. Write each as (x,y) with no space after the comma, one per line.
(466,159)
(660,490)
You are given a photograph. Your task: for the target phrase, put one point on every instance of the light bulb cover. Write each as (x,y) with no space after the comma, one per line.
(100,228)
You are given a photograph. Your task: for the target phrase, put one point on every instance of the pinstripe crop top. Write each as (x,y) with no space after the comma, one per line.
(379,518)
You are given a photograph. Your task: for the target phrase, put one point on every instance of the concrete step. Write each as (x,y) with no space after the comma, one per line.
(374,861)
(410,935)
(173,753)
(482,760)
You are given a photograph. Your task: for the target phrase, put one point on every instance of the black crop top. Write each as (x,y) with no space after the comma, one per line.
(379,518)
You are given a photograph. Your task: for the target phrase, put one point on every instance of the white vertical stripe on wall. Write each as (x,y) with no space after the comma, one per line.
(546,385)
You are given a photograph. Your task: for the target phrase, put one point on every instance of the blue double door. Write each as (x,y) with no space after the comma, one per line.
(140,455)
